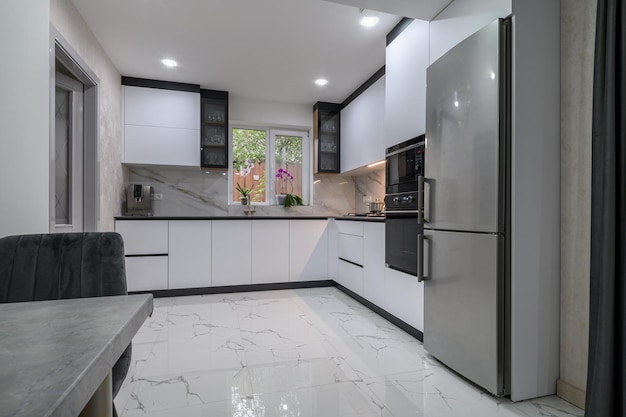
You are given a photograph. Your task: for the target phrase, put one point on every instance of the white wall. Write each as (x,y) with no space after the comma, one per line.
(67,20)
(24,116)
(460,19)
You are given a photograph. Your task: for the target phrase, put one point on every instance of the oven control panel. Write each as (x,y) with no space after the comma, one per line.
(401,201)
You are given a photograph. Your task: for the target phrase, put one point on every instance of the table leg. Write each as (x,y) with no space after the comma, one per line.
(101,403)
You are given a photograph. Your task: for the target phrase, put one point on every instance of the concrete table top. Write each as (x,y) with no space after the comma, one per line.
(55,354)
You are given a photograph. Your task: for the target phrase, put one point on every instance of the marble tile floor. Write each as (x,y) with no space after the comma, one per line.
(308,352)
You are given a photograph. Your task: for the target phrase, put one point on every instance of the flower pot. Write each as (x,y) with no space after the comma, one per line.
(280,199)
(244,201)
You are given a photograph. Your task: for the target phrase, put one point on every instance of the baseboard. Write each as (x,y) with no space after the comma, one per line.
(570,393)
(288,286)
(237,288)
(383,313)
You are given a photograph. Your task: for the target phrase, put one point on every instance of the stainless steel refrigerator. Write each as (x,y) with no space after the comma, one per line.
(465,246)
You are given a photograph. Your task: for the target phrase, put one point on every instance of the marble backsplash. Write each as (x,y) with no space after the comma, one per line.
(193,192)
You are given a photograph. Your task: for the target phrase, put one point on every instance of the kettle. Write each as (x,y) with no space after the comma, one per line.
(376,206)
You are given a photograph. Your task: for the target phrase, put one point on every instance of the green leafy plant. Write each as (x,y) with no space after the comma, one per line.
(244,170)
(290,199)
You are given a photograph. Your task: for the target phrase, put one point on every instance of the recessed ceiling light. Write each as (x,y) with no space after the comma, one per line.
(170,63)
(369,18)
(321,82)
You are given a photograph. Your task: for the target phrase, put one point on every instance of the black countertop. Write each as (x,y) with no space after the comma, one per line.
(222,217)
(352,218)
(362,218)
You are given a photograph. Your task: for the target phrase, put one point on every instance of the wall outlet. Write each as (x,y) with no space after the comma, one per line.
(157,197)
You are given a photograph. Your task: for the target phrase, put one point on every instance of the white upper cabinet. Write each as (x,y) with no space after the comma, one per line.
(160,126)
(363,128)
(461,19)
(406,60)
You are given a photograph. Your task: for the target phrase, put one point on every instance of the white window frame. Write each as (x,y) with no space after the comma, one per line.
(270,150)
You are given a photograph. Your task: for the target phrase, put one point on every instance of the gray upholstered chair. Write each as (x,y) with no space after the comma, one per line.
(65,265)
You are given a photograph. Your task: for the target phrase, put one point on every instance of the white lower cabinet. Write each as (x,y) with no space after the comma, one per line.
(190,254)
(404,297)
(270,251)
(146,273)
(231,262)
(144,237)
(350,248)
(178,254)
(350,276)
(146,249)
(308,250)
(374,263)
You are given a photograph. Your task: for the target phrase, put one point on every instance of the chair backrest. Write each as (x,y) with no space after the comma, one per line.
(61,265)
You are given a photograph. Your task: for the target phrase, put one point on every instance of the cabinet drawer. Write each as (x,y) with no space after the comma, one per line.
(350,276)
(350,227)
(146,273)
(350,247)
(144,237)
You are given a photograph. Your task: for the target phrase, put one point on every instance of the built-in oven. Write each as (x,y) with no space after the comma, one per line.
(405,163)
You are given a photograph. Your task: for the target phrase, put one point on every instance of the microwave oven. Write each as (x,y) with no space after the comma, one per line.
(405,162)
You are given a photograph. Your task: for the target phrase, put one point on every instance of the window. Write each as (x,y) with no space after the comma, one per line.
(258,155)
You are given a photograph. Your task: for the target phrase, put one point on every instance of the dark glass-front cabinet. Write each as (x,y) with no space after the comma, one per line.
(214,129)
(326,137)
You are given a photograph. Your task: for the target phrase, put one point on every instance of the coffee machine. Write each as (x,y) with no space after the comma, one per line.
(139,200)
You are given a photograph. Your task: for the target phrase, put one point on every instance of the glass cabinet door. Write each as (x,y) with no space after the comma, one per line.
(214,130)
(326,137)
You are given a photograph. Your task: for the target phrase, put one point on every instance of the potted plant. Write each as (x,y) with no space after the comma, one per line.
(245,192)
(284,198)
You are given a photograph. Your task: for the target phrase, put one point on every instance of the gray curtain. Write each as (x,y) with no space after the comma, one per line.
(606,396)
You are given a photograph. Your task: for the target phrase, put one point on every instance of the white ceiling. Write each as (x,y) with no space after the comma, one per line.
(261,49)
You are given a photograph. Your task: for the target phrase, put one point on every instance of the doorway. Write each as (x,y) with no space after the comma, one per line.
(74,180)
(67,153)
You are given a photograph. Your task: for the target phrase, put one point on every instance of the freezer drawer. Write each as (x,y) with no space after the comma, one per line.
(463,305)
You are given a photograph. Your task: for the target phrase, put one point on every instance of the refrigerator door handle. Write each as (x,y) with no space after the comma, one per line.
(420,258)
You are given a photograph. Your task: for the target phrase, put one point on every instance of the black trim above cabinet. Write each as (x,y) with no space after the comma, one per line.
(163,85)
(406,21)
(214,129)
(363,87)
(326,137)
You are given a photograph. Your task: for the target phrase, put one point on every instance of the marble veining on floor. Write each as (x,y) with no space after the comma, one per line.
(307,352)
